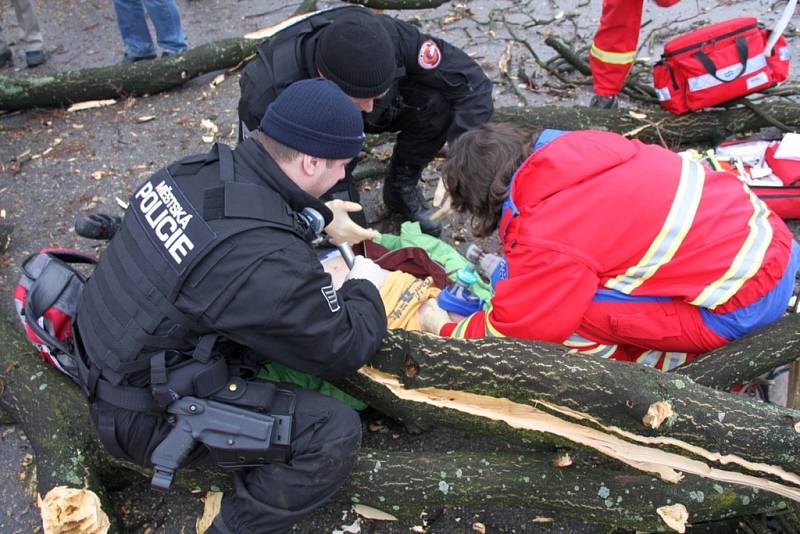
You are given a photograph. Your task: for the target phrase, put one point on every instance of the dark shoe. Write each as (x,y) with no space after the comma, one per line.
(97,226)
(402,195)
(34,58)
(604,102)
(6,59)
(127,60)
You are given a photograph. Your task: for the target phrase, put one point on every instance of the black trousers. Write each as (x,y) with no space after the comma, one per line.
(420,115)
(325,438)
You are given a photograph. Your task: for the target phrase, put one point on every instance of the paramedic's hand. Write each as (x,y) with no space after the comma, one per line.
(432,317)
(342,228)
(366,269)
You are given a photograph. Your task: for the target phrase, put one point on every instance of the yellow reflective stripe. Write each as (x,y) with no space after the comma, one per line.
(747,261)
(489,327)
(616,58)
(673,360)
(649,358)
(460,328)
(676,226)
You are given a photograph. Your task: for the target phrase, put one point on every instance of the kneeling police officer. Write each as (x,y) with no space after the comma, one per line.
(403,80)
(209,276)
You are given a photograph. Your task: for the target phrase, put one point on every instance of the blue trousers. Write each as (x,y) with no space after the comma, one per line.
(166,20)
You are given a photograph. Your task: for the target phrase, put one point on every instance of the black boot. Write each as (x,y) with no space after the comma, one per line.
(97,226)
(402,195)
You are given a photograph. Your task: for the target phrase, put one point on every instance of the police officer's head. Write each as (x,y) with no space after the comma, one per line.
(312,130)
(356,53)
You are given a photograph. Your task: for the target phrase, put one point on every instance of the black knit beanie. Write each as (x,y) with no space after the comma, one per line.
(357,54)
(316,118)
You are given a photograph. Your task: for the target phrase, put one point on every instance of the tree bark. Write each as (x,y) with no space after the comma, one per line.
(398,4)
(655,125)
(53,414)
(549,395)
(746,358)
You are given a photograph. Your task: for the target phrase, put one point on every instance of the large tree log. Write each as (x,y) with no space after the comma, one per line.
(746,358)
(547,394)
(53,414)
(655,125)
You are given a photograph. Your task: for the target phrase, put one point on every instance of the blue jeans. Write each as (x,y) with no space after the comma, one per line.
(133,26)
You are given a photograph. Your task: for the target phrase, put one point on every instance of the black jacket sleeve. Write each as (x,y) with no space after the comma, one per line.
(460,79)
(286,310)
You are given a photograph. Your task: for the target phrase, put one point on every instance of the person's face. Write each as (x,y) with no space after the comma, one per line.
(367,104)
(327,174)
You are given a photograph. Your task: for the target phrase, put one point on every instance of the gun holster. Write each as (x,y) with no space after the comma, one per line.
(243,423)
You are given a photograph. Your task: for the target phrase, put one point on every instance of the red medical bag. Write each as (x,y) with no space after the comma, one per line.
(718,63)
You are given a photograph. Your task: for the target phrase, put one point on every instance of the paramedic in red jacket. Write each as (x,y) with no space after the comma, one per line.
(614,48)
(617,248)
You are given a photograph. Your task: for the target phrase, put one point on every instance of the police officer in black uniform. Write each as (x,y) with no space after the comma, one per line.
(211,273)
(403,80)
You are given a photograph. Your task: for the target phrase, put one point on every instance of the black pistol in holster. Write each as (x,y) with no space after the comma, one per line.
(247,423)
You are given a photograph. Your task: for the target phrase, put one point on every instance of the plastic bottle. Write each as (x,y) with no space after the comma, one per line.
(458,297)
(490,266)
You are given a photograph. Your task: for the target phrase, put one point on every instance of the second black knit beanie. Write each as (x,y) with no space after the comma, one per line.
(357,54)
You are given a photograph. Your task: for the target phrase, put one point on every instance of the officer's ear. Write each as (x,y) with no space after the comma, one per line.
(311,165)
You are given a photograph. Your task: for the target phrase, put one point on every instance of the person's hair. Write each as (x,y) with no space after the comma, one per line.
(478,170)
(277,150)
(280,152)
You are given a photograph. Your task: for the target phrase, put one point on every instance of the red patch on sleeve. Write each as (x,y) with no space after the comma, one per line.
(429,55)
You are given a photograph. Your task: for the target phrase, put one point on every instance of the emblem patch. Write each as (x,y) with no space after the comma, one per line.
(331,298)
(429,55)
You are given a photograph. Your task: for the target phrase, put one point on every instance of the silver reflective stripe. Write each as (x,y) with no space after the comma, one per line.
(649,358)
(785,54)
(663,94)
(698,83)
(673,360)
(676,226)
(576,341)
(616,58)
(582,344)
(747,261)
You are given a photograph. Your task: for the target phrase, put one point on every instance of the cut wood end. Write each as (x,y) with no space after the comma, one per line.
(67,509)
(675,516)
(657,413)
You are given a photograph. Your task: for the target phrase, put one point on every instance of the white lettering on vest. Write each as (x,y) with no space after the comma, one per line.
(168,219)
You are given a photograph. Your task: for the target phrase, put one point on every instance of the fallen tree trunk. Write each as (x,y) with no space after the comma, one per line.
(655,125)
(53,414)
(746,358)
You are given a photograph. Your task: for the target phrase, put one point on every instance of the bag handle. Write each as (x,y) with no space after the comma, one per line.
(741,47)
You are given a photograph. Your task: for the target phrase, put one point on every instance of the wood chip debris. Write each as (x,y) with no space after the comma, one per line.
(480,528)
(563,460)
(67,509)
(675,516)
(145,118)
(368,512)
(91,104)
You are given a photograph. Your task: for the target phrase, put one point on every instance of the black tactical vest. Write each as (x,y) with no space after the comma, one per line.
(127,313)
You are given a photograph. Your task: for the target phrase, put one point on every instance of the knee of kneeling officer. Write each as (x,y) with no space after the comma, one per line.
(328,434)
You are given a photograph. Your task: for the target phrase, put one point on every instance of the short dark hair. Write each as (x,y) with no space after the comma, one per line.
(479,168)
(280,152)
(277,150)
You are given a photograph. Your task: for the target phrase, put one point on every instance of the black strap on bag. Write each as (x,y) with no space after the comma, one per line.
(708,64)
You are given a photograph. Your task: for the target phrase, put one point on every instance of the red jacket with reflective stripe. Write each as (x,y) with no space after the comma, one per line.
(595,206)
